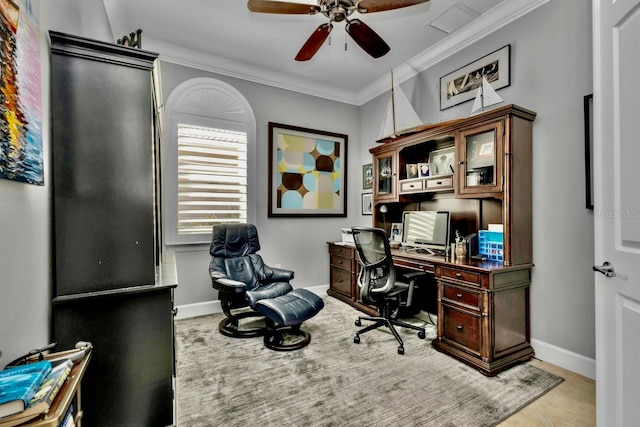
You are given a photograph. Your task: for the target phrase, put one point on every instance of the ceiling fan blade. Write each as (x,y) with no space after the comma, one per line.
(314,42)
(369,6)
(269,6)
(367,39)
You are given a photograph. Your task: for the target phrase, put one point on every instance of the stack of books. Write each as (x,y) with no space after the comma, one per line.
(28,391)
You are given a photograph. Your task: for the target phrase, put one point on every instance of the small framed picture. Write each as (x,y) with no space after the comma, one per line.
(412,170)
(396,232)
(441,162)
(423,169)
(367,204)
(367,176)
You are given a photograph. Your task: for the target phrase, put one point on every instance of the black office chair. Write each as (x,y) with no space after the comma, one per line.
(378,285)
(242,278)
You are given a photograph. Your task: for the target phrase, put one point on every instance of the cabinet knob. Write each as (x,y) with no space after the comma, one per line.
(458,275)
(458,296)
(459,327)
(461,162)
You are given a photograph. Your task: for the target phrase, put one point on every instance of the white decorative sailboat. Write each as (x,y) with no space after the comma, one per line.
(400,116)
(485,97)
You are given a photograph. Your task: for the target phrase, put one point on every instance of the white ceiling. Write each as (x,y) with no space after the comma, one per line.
(224,36)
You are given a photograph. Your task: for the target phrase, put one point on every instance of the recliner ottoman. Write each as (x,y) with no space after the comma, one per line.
(285,314)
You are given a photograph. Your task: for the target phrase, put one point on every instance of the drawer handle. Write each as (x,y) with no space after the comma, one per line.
(439,182)
(341,280)
(459,296)
(459,327)
(340,262)
(458,275)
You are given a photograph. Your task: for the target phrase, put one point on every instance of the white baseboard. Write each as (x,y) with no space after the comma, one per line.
(187,311)
(563,358)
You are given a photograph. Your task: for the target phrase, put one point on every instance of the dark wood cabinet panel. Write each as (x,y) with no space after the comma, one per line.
(108,287)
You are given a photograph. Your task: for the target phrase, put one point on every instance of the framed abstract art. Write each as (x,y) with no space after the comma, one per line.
(307,172)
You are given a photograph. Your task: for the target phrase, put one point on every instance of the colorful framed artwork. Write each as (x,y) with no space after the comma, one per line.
(367,176)
(307,172)
(21,157)
(367,204)
(460,85)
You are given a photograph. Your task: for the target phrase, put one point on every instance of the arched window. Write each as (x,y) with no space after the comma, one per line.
(209,160)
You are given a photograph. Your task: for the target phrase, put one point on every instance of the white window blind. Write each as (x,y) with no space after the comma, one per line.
(212,178)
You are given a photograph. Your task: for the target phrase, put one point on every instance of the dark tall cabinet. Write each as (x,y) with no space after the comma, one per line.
(108,287)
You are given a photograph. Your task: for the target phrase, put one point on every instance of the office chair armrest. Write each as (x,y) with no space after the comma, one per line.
(414,274)
(228,285)
(281,275)
(412,282)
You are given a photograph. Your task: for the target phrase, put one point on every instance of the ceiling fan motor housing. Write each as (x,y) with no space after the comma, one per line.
(337,10)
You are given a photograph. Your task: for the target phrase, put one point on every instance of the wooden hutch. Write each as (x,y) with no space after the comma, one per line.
(482,306)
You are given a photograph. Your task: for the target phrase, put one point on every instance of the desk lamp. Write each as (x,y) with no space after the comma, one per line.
(383,211)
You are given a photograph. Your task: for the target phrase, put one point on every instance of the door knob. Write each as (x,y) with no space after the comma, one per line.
(606,269)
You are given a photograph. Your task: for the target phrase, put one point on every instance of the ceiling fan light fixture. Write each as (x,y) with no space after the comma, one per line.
(336,11)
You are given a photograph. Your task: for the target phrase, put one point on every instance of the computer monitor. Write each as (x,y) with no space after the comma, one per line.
(426,230)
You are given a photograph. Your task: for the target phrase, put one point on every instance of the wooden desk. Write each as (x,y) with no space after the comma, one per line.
(483,308)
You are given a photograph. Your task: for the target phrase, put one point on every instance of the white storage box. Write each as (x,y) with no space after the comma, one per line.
(347,235)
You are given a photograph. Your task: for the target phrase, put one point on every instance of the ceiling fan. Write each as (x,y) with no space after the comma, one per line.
(336,11)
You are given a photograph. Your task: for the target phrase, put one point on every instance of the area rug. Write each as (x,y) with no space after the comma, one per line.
(224,381)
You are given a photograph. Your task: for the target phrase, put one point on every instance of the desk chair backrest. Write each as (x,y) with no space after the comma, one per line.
(377,275)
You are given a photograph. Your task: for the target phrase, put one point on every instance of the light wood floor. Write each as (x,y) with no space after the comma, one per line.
(572,403)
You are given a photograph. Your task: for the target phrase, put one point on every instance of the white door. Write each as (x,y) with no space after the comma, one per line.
(616,95)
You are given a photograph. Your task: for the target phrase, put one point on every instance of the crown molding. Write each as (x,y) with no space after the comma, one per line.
(502,14)
(203,61)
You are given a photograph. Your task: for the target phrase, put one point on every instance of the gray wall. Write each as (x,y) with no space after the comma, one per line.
(25,213)
(299,244)
(550,73)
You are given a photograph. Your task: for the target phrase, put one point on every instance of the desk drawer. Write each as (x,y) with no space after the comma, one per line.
(440,183)
(411,186)
(342,262)
(345,251)
(467,276)
(414,265)
(462,328)
(459,295)
(342,281)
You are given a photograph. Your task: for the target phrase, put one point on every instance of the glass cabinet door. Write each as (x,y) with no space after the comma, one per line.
(385,176)
(481,159)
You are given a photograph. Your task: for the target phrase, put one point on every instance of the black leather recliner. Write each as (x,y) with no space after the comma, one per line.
(242,278)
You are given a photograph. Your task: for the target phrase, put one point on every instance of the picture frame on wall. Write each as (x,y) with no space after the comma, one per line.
(461,85)
(367,176)
(307,172)
(367,204)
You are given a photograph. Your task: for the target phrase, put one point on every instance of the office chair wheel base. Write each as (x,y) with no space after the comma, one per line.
(358,322)
(422,335)
(400,350)
(356,339)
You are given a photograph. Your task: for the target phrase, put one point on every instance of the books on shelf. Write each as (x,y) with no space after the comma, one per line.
(42,400)
(69,420)
(19,384)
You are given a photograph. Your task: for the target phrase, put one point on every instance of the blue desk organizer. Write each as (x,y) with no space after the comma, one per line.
(491,245)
